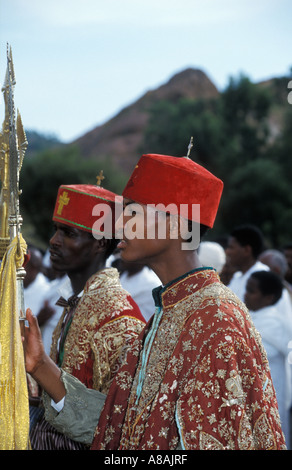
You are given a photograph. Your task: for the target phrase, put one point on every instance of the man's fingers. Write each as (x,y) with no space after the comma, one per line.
(32,321)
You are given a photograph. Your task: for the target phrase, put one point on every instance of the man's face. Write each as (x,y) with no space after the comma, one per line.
(235,253)
(71,249)
(253,298)
(137,229)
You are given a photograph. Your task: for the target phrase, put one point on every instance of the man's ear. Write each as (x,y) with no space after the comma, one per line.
(100,245)
(248,250)
(173,226)
(178,227)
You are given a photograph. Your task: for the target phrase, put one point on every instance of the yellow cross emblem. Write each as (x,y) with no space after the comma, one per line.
(99,178)
(63,201)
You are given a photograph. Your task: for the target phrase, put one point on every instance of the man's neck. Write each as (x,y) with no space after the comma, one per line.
(176,266)
(79,279)
(247,265)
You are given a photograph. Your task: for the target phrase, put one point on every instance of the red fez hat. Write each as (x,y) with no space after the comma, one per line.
(79,206)
(177,183)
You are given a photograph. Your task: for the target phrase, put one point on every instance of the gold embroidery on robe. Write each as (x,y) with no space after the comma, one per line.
(103,325)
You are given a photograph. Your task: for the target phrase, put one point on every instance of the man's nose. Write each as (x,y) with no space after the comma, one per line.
(56,238)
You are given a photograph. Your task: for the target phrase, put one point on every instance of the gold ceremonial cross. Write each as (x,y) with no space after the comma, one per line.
(99,178)
(63,201)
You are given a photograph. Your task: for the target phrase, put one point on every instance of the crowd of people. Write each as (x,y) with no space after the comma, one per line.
(262,278)
(152,346)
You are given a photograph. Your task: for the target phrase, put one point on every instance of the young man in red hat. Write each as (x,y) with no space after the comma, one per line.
(197,377)
(99,318)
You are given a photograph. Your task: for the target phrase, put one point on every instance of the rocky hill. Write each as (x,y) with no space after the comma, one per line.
(120,138)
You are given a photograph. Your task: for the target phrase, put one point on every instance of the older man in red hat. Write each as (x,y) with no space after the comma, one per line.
(197,377)
(99,318)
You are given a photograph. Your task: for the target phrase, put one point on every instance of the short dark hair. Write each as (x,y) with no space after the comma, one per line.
(193,226)
(249,235)
(111,245)
(269,283)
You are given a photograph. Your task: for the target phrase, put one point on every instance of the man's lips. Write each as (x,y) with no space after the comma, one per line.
(122,244)
(55,255)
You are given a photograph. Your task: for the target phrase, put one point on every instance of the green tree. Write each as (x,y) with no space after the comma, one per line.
(259,193)
(172,125)
(244,110)
(40,179)
(281,150)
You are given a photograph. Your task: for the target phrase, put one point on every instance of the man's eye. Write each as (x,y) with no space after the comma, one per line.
(133,209)
(70,233)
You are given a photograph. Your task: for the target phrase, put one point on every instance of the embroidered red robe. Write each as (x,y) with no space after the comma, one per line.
(105,321)
(205,377)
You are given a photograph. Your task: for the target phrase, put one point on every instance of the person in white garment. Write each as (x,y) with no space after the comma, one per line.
(277,263)
(243,249)
(263,291)
(50,314)
(139,281)
(42,293)
(35,283)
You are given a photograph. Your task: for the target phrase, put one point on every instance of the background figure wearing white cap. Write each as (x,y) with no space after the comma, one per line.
(212,254)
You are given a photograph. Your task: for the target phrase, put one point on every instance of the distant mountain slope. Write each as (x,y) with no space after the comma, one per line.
(120,137)
(38,142)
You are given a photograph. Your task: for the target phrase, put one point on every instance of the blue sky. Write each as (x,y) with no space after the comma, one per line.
(79,62)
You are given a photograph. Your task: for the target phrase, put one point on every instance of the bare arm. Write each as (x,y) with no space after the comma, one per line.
(38,364)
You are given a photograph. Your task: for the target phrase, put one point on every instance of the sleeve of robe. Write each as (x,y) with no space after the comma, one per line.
(80,414)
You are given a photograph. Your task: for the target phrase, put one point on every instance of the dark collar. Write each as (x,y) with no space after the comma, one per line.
(160,293)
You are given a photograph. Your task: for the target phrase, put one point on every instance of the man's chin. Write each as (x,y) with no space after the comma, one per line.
(57,266)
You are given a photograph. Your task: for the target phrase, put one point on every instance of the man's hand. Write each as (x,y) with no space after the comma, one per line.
(33,345)
(38,364)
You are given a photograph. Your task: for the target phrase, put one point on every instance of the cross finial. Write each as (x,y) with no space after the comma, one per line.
(190,146)
(99,178)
